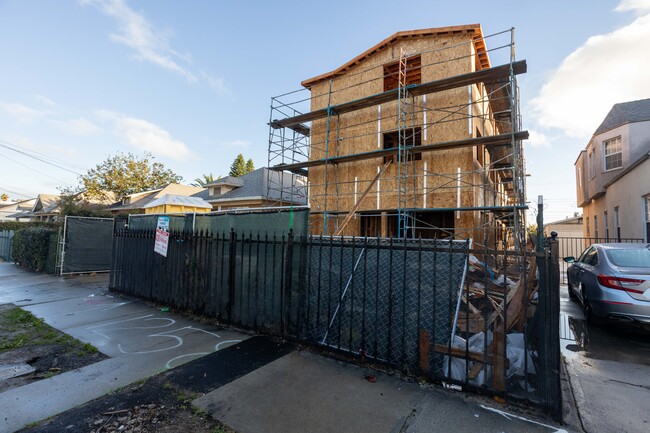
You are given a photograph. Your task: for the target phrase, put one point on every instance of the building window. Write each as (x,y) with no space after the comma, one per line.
(606,226)
(592,165)
(613,152)
(413,73)
(596,227)
(588,228)
(617,224)
(579,177)
(411,137)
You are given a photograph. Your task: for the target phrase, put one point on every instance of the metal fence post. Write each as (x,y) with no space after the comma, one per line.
(285,312)
(232,266)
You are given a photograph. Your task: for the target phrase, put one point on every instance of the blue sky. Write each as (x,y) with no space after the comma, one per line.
(191,81)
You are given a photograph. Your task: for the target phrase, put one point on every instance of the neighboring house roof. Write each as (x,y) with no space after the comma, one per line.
(228,180)
(177,200)
(572,220)
(141,199)
(472,29)
(254,185)
(625,112)
(46,204)
(17,209)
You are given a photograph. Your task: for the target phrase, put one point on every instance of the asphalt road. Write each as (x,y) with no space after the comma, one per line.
(609,371)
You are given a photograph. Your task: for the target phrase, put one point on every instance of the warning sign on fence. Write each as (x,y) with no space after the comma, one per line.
(162,236)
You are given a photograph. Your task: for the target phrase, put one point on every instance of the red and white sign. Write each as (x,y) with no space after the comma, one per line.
(162,236)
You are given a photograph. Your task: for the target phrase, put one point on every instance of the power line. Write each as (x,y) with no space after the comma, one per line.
(33,169)
(16,193)
(43,155)
(4,144)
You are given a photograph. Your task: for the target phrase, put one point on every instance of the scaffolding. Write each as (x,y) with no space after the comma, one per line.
(457,165)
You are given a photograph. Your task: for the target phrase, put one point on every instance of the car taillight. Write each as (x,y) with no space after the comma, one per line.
(618,283)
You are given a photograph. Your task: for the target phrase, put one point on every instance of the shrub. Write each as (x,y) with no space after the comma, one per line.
(17,225)
(31,247)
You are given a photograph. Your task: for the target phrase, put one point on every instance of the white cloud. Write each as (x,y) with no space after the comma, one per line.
(20,112)
(537,139)
(633,5)
(238,143)
(149,44)
(52,151)
(146,136)
(605,70)
(80,126)
(45,101)
(215,83)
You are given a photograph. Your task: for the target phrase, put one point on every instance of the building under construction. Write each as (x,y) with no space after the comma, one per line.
(418,136)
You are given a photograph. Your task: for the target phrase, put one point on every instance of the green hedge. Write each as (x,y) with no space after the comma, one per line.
(31,246)
(16,225)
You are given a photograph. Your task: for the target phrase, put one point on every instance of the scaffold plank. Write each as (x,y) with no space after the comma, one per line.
(491,75)
(490,140)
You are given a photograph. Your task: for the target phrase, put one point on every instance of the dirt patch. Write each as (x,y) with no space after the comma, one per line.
(150,406)
(25,338)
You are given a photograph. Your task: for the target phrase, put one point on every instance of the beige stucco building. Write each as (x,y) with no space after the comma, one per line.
(613,175)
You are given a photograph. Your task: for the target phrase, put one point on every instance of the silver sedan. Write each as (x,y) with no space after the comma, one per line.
(612,281)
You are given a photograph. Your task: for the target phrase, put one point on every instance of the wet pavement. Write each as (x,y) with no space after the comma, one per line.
(609,371)
(254,383)
(141,340)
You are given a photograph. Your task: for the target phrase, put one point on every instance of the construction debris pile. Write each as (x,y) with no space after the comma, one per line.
(488,345)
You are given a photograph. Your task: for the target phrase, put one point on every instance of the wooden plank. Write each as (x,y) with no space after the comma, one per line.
(499,358)
(490,140)
(490,75)
(350,214)
(457,352)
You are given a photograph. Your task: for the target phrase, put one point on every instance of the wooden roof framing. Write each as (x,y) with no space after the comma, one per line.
(471,29)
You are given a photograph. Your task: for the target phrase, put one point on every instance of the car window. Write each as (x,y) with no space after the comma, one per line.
(583,255)
(592,257)
(636,258)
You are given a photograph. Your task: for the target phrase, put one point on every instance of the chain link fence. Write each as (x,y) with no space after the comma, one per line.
(428,307)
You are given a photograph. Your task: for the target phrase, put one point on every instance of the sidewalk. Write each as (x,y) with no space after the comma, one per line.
(140,340)
(249,385)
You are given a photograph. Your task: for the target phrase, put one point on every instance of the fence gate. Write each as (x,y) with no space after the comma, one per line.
(6,237)
(86,245)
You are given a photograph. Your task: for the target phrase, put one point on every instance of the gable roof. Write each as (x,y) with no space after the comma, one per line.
(474,30)
(46,203)
(625,112)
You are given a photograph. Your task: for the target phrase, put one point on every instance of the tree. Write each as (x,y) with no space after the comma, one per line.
(4,197)
(238,166)
(207,178)
(125,174)
(250,166)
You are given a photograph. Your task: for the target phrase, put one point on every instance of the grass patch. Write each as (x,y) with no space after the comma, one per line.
(22,328)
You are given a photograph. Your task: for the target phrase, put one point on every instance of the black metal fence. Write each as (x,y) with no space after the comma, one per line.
(428,307)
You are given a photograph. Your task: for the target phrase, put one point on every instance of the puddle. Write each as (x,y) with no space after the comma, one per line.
(574,335)
(607,342)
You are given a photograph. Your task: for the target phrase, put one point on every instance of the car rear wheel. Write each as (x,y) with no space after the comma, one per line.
(572,294)
(591,318)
